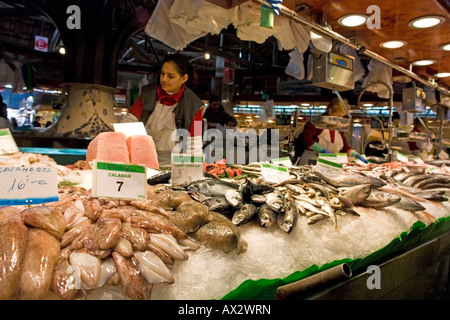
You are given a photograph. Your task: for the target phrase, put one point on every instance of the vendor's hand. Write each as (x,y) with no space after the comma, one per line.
(276,6)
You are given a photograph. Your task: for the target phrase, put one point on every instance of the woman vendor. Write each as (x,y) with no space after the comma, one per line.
(168,106)
(313,140)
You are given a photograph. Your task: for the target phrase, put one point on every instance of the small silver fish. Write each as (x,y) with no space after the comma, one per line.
(317,217)
(266,216)
(276,201)
(244,214)
(234,197)
(288,219)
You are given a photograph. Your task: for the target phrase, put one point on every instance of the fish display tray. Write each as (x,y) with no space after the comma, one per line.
(332,123)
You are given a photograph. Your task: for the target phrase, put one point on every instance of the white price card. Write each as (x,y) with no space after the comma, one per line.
(7,143)
(186,168)
(119,180)
(273,173)
(130,128)
(283,161)
(325,166)
(27,185)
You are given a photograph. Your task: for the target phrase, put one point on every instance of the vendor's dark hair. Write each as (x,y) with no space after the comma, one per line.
(181,62)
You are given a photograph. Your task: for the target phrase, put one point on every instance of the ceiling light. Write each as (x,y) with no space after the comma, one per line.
(207,56)
(394,44)
(62,50)
(424,62)
(426,22)
(446,47)
(352,20)
(442,75)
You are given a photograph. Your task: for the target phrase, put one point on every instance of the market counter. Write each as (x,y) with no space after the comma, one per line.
(61,156)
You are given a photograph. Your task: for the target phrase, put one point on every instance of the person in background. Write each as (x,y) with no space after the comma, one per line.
(168,106)
(37,121)
(422,149)
(216,114)
(313,140)
(14,123)
(4,121)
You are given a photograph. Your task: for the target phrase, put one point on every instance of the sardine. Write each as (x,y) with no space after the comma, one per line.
(266,216)
(356,194)
(380,199)
(244,214)
(234,197)
(317,217)
(258,198)
(276,201)
(288,219)
(432,180)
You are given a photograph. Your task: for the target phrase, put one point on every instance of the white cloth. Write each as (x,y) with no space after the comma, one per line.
(295,67)
(160,126)
(162,28)
(325,142)
(246,19)
(378,71)
(291,34)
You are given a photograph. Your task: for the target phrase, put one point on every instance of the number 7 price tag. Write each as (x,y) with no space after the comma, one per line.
(119,180)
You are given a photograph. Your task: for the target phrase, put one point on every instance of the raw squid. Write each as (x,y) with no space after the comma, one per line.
(124,247)
(13,239)
(137,236)
(153,268)
(134,284)
(156,223)
(74,214)
(66,282)
(106,233)
(169,245)
(48,219)
(41,254)
(89,267)
(107,270)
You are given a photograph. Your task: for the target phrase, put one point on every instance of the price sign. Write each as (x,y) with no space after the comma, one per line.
(27,185)
(186,168)
(282,161)
(273,173)
(119,180)
(7,143)
(325,166)
(130,128)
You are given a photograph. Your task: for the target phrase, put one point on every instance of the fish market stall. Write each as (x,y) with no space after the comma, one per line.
(186,242)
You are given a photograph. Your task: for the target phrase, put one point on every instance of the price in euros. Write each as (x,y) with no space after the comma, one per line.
(22,184)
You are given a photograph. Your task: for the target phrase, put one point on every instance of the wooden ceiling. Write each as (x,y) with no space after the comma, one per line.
(394,18)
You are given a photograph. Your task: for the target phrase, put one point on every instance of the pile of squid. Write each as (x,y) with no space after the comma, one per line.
(80,243)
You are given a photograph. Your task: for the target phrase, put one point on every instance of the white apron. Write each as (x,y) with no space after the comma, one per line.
(160,125)
(324,141)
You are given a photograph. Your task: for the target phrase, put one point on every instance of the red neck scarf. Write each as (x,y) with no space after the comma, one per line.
(168,99)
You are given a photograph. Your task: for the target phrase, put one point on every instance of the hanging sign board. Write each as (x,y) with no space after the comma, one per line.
(186,168)
(119,180)
(27,185)
(7,143)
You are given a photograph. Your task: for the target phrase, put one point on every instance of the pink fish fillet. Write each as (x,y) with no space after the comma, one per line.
(108,146)
(142,151)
